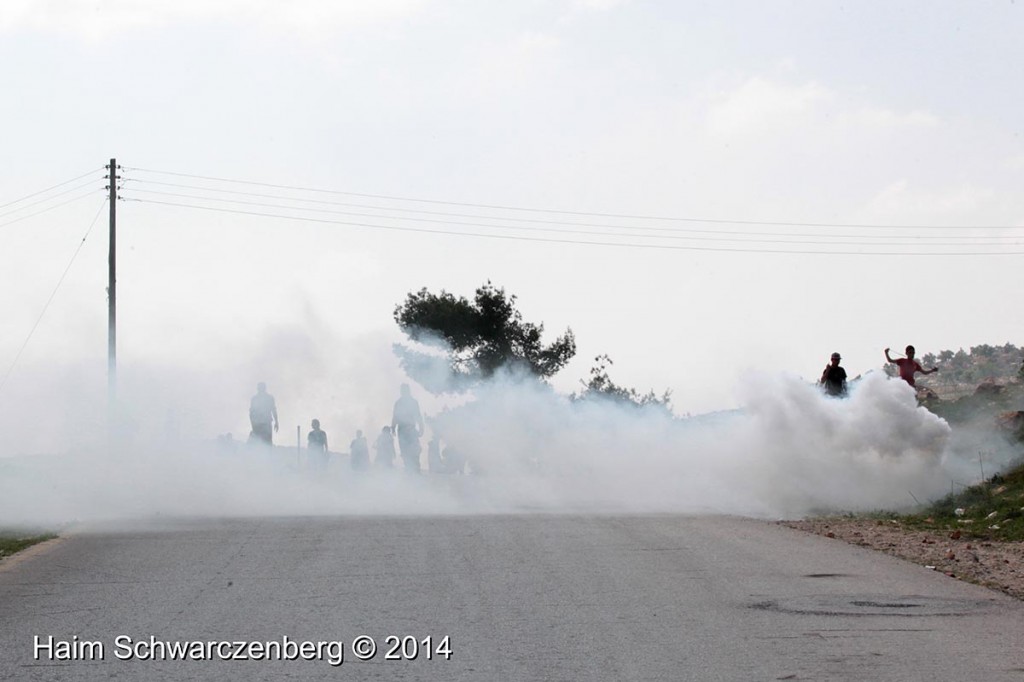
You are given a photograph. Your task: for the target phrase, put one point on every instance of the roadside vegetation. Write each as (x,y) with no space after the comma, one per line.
(12,542)
(992,510)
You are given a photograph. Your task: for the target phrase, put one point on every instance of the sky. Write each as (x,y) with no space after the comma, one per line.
(807,163)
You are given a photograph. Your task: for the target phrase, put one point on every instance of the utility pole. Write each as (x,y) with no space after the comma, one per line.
(113,177)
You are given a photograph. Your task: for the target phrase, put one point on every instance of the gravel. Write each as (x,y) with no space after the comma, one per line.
(997,565)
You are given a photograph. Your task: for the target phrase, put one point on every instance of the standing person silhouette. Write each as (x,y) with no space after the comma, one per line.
(408,422)
(908,366)
(385,446)
(434,462)
(316,444)
(263,415)
(359,453)
(833,379)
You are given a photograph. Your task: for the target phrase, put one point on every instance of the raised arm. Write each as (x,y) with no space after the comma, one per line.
(887,356)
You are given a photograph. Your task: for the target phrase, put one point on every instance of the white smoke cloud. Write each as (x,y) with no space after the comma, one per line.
(790,451)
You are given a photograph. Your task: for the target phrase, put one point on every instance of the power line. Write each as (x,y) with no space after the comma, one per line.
(60,281)
(50,208)
(531,221)
(50,198)
(750,237)
(777,223)
(43,191)
(572,241)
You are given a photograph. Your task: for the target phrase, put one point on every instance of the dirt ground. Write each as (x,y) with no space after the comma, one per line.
(997,565)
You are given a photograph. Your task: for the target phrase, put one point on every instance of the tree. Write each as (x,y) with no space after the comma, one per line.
(968,367)
(480,336)
(601,386)
(984,350)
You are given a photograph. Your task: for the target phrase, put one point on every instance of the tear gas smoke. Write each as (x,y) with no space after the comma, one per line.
(790,451)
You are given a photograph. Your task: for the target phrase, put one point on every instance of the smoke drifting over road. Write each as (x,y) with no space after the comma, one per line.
(789,451)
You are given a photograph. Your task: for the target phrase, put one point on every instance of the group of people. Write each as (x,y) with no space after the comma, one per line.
(406,423)
(833,378)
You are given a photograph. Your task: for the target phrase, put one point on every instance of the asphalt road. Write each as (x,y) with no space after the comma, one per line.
(529,597)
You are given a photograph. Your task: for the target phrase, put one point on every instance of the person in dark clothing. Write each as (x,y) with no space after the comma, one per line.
(434,463)
(833,379)
(385,447)
(263,415)
(408,422)
(316,444)
(359,453)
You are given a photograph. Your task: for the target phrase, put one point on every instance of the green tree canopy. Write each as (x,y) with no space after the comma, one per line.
(601,386)
(481,336)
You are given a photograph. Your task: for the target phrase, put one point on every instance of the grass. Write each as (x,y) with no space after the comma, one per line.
(13,542)
(993,510)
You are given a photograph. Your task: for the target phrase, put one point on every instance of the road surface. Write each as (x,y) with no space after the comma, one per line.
(518,597)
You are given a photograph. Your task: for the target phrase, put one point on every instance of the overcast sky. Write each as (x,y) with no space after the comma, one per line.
(836,132)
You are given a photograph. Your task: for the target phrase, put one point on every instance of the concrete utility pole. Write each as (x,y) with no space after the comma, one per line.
(112,289)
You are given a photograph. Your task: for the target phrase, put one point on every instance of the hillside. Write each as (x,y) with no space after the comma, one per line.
(961,372)
(975,533)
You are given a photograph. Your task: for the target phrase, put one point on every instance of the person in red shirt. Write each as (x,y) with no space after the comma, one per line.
(908,366)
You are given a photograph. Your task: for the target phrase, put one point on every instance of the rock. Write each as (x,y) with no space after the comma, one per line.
(927,397)
(988,387)
(1011,423)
